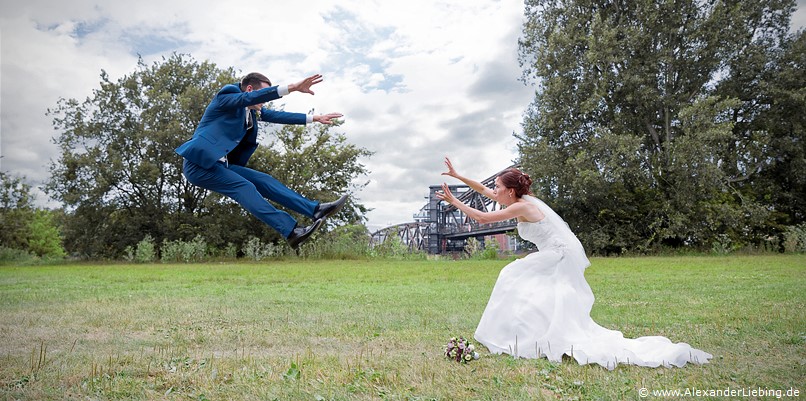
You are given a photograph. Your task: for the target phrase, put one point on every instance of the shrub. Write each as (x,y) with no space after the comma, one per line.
(10,255)
(393,247)
(344,242)
(491,249)
(473,247)
(146,250)
(795,238)
(44,238)
(128,253)
(721,245)
(231,251)
(256,250)
(182,251)
(487,250)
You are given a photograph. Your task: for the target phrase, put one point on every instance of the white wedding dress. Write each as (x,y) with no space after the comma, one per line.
(540,307)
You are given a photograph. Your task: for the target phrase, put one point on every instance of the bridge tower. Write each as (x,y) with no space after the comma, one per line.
(440,227)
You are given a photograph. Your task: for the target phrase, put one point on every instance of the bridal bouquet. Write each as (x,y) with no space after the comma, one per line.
(460,350)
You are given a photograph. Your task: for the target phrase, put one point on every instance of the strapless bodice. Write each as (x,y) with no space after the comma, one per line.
(540,234)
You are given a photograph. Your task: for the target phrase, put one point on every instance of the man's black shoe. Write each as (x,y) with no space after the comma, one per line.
(325,210)
(301,234)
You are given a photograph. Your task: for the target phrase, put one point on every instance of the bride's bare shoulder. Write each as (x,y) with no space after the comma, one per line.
(531,213)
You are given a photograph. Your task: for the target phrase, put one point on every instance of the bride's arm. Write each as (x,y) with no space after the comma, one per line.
(512,211)
(474,185)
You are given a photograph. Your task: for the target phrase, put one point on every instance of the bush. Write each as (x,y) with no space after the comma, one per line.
(128,254)
(146,250)
(256,250)
(722,245)
(394,247)
(491,249)
(487,250)
(10,255)
(182,251)
(795,238)
(344,242)
(44,238)
(231,251)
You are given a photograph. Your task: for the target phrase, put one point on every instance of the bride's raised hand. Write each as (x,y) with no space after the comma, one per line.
(451,171)
(446,194)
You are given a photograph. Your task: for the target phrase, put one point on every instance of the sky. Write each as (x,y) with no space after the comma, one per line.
(416,81)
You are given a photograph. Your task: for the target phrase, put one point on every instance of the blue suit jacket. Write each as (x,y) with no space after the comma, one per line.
(222,129)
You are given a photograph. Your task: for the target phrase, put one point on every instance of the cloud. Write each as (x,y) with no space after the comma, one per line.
(417,81)
(799,16)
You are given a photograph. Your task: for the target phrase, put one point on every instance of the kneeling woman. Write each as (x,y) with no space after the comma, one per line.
(540,305)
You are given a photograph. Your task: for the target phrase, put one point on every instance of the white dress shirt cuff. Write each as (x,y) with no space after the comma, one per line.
(282,90)
(308,118)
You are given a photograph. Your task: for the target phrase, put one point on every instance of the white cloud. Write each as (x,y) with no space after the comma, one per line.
(416,80)
(407,75)
(799,16)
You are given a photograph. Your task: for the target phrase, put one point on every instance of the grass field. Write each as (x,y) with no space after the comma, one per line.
(369,330)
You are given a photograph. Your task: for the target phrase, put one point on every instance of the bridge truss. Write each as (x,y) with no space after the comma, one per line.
(441,227)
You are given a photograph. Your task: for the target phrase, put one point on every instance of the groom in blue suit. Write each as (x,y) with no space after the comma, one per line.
(216,155)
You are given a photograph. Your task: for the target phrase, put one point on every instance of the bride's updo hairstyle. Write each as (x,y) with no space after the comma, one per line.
(515,179)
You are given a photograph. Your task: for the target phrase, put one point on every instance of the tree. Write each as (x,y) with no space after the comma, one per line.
(317,163)
(24,226)
(120,178)
(628,135)
(16,210)
(44,238)
(769,151)
(118,175)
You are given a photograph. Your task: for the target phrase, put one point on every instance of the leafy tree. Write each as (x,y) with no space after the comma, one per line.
(316,162)
(44,238)
(629,136)
(120,178)
(16,210)
(118,174)
(25,227)
(769,149)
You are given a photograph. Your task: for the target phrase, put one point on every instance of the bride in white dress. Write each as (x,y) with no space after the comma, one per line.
(540,305)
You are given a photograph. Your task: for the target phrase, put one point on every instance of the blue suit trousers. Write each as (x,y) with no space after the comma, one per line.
(252,190)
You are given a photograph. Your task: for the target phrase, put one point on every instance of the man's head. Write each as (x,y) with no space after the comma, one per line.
(254,81)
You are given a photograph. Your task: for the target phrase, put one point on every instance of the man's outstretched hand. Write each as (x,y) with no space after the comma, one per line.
(326,118)
(305,85)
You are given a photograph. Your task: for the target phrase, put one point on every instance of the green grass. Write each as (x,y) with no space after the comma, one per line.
(368,330)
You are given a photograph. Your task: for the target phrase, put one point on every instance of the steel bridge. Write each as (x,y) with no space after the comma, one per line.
(440,227)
